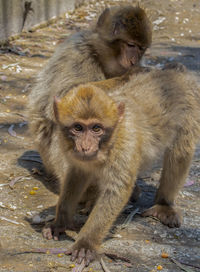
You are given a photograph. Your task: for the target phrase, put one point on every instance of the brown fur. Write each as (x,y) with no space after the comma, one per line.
(161,116)
(89,55)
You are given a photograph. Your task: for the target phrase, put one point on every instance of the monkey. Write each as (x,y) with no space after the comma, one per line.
(114,46)
(105,138)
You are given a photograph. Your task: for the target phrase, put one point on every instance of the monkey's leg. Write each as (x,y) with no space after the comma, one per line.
(175,170)
(71,192)
(89,199)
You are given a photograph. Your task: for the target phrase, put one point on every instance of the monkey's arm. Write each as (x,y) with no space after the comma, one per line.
(176,166)
(112,83)
(72,189)
(110,203)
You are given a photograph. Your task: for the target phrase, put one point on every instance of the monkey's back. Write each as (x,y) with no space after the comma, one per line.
(163,103)
(70,66)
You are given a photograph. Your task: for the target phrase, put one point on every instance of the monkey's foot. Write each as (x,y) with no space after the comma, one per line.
(175,66)
(52,231)
(166,214)
(88,207)
(81,254)
(37,171)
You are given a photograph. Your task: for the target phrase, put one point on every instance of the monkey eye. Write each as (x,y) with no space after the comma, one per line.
(142,48)
(131,44)
(78,127)
(97,128)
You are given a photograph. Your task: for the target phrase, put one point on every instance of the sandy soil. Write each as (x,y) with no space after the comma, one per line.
(176,37)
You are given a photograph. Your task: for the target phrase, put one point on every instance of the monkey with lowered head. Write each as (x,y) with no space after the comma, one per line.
(104,139)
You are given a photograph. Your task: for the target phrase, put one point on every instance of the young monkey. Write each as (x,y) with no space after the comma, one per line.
(104,139)
(111,48)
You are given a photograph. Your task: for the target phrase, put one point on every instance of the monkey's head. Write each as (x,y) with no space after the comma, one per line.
(87,118)
(127,31)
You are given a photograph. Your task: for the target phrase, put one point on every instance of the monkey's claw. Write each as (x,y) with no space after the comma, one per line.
(166,214)
(52,232)
(81,255)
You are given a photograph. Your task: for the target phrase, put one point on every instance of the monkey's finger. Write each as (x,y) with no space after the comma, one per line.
(56,234)
(150,212)
(47,233)
(89,257)
(74,255)
(81,255)
(68,252)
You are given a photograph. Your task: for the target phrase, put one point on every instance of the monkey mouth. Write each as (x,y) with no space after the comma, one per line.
(133,61)
(85,157)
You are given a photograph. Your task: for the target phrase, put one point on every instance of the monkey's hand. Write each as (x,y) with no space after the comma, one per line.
(175,66)
(166,214)
(53,230)
(81,253)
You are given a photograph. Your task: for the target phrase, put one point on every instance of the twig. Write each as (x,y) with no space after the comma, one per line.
(105,269)
(15,180)
(181,266)
(43,251)
(8,207)
(129,218)
(11,221)
(79,267)
(4,184)
(11,131)
(114,257)
(189,264)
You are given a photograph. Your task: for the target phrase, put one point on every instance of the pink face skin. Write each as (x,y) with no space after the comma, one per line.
(87,138)
(130,54)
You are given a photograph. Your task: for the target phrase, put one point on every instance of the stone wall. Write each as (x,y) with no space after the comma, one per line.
(18,15)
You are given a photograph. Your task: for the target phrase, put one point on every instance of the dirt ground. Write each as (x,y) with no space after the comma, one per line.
(25,198)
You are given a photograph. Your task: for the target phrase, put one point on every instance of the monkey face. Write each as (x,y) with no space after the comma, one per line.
(131,54)
(87,117)
(128,33)
(87,136)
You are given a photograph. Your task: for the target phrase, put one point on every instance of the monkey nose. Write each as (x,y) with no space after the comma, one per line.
(85,150)
(88,152)
(133,61)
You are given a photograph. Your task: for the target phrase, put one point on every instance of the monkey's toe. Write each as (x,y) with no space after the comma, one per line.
(47,233)
(166,214)
(175,66)
(81,254)
(52,232)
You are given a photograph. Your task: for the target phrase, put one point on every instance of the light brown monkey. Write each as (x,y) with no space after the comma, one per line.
(115,45)
(105,139)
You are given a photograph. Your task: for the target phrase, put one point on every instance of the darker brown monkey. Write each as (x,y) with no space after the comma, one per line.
(105,139)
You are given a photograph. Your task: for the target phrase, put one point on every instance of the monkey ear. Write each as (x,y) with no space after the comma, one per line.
(121,109)
(56,101)
(103,17)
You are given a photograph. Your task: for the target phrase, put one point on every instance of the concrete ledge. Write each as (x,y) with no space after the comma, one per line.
(18,15)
